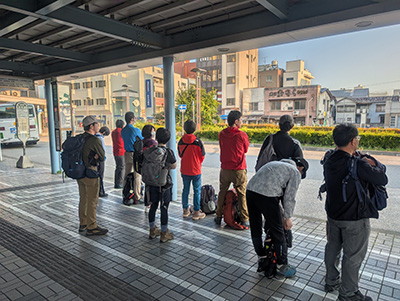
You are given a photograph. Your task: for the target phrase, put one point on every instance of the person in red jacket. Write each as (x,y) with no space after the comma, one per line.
(233,144)
(191,151)
(118,152)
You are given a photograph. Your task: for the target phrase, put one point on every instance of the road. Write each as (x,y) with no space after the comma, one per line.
(307,204)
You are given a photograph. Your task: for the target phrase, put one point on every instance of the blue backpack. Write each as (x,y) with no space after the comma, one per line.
(71,157)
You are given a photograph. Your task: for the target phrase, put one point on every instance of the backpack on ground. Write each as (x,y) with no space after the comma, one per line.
(138,155)
(72,157)
(154,169)
(267,155)
(231,210)
(267,265)
(128,193)
(208,200)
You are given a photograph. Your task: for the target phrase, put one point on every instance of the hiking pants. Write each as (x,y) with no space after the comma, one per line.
(239,180)
(352,237)
(119,170)
(162,197)
(138,177)
(88,199)
(259,206)
(196,180)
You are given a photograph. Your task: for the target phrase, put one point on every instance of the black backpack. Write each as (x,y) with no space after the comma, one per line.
(267,155)
(71,157)
(128,193)
(208,199)
(267,265)
(138,155)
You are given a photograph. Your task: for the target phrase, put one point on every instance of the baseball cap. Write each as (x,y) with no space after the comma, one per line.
(286,118)
(88,120)
(301,162)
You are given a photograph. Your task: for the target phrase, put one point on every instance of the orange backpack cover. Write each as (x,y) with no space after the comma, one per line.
(231,212)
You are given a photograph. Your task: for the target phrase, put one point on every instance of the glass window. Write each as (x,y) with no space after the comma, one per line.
(253,106)
(380,108)
(101,101)
(275,105)
(299,104)
(230,80)
(289,78)
(100,83)
(268,78)
(392,121)
(7,111)
(77,86)
(231,58)
(349,108)
(214,75)
(230,101)
(87,85)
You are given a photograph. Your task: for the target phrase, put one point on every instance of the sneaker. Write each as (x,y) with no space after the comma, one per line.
(356,297)
(82,228)
(186,212)
(146,209)
(328,288)
(154,232)
(285,271)
(96,231)
(103,195)
(198,215)
(218,220)
(165,236)
(245,224)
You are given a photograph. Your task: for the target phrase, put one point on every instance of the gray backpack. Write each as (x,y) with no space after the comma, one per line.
(154,168)
(267,155)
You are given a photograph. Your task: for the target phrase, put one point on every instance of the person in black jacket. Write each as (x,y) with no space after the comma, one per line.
(347,229)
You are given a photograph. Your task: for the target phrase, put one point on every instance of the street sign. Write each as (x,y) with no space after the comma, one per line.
(182,107)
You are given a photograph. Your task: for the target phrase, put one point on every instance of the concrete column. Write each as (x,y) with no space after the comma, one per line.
(54,155)
(169,98)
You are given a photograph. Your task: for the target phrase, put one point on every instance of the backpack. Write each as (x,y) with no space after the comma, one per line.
(267,155)
(208,200)
(72,157)
(154,169)
(128,193)
(268,264)
(138,155)
(231,211)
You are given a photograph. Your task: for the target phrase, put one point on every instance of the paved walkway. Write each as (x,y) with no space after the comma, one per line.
(42,256)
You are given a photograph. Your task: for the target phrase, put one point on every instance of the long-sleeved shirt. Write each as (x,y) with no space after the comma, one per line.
(128,134)
(233,144)
(118,143)
(192,153)
(276,179)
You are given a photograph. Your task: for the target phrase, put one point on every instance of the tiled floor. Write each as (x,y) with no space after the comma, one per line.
(43,257)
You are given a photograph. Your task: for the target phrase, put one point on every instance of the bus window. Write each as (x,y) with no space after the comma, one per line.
(7,111)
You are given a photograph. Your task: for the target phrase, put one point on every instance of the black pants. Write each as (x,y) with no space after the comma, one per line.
(259,206)
(101,176)
(119,170)
(159,196)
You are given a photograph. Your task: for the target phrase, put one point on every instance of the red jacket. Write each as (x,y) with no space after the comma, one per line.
(233,144)
(118,143)
(191,151)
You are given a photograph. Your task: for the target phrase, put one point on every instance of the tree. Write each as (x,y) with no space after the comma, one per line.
(209,105)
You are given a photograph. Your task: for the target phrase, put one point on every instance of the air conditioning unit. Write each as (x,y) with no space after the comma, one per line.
(295,113)
(5,92)
(16,93)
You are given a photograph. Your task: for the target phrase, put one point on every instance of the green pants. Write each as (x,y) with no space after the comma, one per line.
(88,199)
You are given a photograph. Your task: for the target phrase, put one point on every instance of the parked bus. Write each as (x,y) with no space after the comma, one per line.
(8,130)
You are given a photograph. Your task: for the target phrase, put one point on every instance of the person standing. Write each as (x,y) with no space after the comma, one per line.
(129,134)
(93,153)
(192,153)
(103,132)
(149,135)
(233,144)
(274,181)
(118,152)
(347,231)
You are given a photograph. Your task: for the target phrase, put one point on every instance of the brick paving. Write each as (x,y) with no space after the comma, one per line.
(43,257)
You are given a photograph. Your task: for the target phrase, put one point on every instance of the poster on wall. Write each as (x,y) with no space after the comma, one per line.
(65,108)
(148,93)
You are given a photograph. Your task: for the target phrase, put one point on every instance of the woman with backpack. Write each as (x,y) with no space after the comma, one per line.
(148,133)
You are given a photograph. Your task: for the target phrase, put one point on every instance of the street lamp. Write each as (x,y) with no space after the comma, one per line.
(198,72)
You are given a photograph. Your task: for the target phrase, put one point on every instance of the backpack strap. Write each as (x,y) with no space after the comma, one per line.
(187,146)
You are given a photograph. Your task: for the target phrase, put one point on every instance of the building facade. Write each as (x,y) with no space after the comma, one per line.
(270,76)
(296,75)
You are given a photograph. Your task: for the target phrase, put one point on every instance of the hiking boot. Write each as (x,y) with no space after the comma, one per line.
(356,297)
(198,215)
(96,231)
(329,288)
(186,212)
(165,236)
(82,228)
(245,224)
(218,220)
(154,232)
(285,271)
(103,195)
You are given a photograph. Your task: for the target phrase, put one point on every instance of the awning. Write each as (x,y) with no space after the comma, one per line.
(31,100)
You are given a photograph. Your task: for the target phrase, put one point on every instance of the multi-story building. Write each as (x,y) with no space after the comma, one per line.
(392,110)
(270,75)
(296,75)
(253,105)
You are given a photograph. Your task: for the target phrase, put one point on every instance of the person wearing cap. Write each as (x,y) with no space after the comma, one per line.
(284,145)
(93,153)
(274,181)
(129,134)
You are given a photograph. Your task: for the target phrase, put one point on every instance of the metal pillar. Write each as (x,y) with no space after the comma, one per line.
(168,66)
(54,155)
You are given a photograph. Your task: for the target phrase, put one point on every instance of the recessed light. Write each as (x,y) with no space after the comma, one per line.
(363,24)
(74,76)
(132,66)
(223,49)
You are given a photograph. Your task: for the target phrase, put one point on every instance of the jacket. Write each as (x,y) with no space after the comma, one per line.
(192,153)
(335,170)
(149,142)
(233,144)
(284,145)
(92,147)
(118,143)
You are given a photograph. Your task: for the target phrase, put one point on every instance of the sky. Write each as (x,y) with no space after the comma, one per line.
(370,58)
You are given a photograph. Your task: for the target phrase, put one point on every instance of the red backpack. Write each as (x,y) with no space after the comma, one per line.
(231,211)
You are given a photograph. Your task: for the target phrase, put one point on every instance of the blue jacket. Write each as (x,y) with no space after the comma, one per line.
(128,134)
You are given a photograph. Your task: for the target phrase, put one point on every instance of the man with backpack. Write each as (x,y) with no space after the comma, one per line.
(233,144)
(279,145)
(348,227)
(93,153)
(129,134)
(275,181)
(192,153)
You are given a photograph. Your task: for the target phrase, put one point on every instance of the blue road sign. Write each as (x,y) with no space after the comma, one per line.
(224,117)
(182,107)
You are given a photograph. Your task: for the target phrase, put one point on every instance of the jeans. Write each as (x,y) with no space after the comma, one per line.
(196,190)
(164,197)
(119,170)
(352,237)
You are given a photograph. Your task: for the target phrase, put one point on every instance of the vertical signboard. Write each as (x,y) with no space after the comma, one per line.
(22,121)
(148,93)
(65,106)
(56,111)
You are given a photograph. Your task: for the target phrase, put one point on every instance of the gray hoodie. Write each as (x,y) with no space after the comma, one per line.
(275,176)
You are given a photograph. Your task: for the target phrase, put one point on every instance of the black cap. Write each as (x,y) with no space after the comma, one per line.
(301,162)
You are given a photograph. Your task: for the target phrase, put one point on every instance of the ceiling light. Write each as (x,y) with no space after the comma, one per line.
(74,76)
(223,49)
(132,66)
(363,24)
